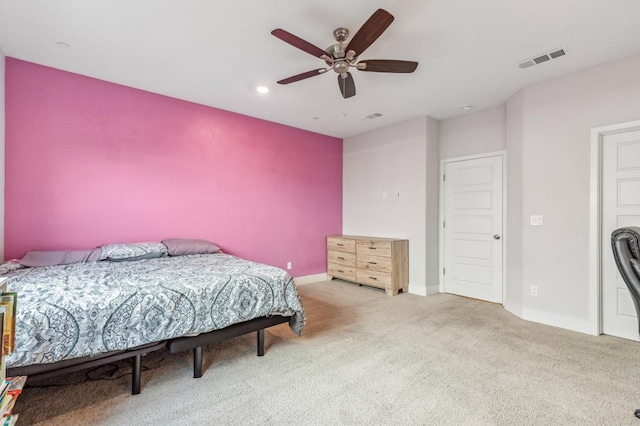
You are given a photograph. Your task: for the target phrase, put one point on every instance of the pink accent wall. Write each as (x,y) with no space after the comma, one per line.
(90,162)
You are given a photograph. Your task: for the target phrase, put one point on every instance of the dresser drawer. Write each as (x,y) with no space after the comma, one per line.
(341,271)
(374,263)
(341,244)
(374,278)
(341,257)
(376,248)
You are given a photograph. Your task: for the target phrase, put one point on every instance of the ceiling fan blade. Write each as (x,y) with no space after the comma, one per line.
(387,65)
(302,76)
(347,86)
(296,41)
(370,31)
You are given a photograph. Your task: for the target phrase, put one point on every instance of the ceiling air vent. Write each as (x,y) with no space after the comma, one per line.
(541,59)
(526,64)
(371,116)
(557,53)
(553,54)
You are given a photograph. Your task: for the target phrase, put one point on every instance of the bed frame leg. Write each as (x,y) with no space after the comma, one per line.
(197,362)
(261,342)
(135,379)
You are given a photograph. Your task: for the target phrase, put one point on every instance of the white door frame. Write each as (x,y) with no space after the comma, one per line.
(595,220)
(502,154)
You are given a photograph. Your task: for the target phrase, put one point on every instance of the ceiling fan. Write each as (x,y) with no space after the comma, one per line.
(340,57)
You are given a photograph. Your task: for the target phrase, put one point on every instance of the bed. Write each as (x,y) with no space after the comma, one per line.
(85,313)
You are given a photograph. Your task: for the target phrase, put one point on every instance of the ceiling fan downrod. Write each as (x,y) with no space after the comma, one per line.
(341,34)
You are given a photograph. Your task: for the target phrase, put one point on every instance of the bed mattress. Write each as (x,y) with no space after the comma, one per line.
(86,309)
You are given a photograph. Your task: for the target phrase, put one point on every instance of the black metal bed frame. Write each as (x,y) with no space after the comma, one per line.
(174,345)
(197,342)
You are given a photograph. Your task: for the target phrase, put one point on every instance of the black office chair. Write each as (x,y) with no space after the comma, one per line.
(626,251)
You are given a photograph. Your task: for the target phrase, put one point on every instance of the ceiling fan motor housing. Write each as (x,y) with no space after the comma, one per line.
(335,51)
(338,59)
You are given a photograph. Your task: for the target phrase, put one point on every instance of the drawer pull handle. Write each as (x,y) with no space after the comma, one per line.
(372,248)
(374,278)
(340,244)
(340,270)
(372,263)
(341,258)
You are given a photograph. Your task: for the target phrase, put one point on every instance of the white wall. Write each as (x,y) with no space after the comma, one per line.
(473,133)
(545,129)
(557,116)
(2,91)
(398,158)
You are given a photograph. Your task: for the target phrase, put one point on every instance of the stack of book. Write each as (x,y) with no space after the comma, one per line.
(10,387)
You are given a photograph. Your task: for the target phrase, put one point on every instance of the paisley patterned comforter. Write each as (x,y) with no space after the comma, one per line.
(85,309)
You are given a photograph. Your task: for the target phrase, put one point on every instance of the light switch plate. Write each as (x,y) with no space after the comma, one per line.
(536,220)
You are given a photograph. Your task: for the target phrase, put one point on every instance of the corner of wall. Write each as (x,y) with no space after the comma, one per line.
(432,209)
(514,142)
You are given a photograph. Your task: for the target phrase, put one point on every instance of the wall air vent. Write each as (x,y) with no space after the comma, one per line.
(552,54)
(371,116)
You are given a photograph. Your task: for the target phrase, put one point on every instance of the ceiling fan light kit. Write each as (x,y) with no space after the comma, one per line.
(340,57)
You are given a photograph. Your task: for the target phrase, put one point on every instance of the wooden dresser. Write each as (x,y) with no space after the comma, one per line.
(378,262)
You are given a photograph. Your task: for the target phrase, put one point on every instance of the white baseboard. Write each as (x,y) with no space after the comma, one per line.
(419,290)
(308,279)
(433,289)
(514,308)
(570,323)
(413,289)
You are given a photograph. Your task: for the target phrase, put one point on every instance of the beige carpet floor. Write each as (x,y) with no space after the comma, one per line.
(365,358)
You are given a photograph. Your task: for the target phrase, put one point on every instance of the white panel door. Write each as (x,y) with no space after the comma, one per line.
(620,207)
(472,243)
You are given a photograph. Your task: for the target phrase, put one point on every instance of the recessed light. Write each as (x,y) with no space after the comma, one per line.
(466,108)
(63,44)
(262,89)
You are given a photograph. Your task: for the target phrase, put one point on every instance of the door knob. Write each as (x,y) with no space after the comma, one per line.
(496,237)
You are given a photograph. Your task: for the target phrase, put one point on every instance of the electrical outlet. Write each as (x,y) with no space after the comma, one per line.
(288,266)
(536,220)
(534,290)
(398,195)
(384,195)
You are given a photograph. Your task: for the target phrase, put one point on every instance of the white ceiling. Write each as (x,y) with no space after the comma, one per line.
(215,53)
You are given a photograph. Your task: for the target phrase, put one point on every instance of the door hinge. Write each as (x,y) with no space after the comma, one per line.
(444,271)
(444,224)
(444,177)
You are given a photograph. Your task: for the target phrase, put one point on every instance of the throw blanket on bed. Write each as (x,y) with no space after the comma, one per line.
(85,309)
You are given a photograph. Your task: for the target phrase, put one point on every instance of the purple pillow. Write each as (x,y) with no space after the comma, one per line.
(58,257)
(183,246)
